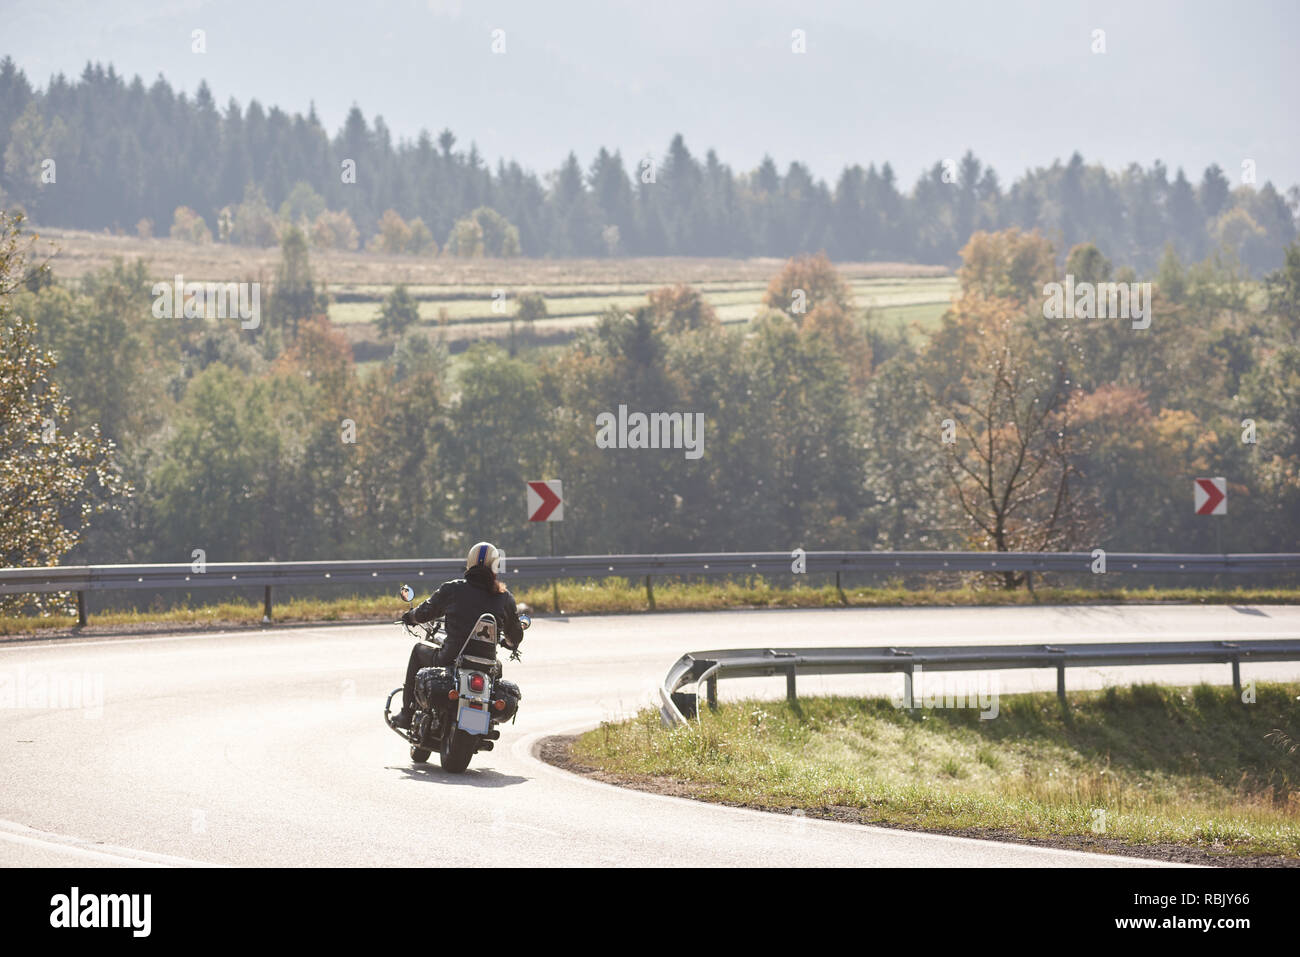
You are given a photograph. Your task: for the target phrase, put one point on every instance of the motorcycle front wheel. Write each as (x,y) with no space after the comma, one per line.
(457,748)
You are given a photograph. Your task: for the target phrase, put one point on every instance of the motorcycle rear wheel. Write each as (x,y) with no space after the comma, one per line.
(456,750)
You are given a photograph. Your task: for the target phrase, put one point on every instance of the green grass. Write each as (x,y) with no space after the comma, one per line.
(217,614)
(924,314)
(1138,766)
(921,298)
(865,290)
(479,310)
(616,595)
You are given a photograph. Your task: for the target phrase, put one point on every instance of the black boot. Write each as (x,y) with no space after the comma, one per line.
(421,656)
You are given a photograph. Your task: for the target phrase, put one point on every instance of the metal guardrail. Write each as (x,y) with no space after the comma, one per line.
(704,668)
(267,575)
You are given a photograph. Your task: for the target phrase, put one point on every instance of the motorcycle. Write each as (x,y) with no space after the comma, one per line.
(458,708)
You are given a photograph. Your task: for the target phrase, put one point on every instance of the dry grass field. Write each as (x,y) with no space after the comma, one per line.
(80,251)
(458,296)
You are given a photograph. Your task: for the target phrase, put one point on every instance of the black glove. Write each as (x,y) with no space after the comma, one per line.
(408,617)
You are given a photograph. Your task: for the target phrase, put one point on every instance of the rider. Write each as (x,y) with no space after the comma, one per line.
(462,601)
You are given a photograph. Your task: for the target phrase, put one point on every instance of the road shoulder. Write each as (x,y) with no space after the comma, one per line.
(557,751)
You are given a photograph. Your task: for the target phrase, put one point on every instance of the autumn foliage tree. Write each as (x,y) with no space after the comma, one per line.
(189,226)
(394,235)
(998,384)
(321,354)
(804,284)
(52,480)
(334,230)
(681,308)
(1010,265)
(811,292)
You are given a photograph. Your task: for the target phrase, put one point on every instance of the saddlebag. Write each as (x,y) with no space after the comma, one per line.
(432,686)
(509,691)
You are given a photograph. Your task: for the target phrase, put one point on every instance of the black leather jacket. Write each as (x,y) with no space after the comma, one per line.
(462,601)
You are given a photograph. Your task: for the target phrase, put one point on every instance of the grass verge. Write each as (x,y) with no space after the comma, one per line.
(617,595)
(1140,767)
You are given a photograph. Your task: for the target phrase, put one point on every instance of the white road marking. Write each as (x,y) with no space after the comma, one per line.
(79,847)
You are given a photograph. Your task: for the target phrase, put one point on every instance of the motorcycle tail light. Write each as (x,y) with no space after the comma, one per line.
(475,682)
(453,694)
(499,704)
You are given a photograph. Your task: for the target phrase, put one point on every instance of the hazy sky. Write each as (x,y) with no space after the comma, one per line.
(910,82)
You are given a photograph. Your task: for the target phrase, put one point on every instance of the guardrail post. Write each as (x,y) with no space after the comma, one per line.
(81,609)
(649,593)
(1060,684)
(790,692)
(1236,677)
(686,704)
(711,690)
(907,688)
(266,606)
(844,599)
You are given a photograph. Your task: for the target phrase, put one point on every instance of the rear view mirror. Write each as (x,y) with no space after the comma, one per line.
(407,593)
(524,621)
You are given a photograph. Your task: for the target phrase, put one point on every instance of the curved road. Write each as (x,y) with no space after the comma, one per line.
(267,747)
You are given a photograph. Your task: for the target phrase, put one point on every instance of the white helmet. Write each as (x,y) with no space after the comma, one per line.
(483,555)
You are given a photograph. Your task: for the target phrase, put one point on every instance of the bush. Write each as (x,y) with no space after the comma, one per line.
(335,230)
(421,242)
(189,226)
(398,312)
(254,223)
(394,235)
(484,232)
(466,239)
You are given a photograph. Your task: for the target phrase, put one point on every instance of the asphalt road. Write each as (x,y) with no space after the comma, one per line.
(268,748)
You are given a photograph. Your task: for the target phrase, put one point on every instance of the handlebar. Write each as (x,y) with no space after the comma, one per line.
(423,631)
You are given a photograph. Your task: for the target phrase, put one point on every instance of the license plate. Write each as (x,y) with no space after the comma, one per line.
(475,722)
